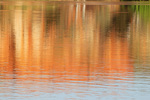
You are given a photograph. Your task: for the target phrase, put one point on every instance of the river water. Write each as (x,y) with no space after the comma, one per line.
(74,51)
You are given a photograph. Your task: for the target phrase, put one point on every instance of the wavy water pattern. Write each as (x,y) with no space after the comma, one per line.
(74,51)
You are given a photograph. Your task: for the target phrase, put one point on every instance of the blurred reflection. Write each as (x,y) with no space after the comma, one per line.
(69,44)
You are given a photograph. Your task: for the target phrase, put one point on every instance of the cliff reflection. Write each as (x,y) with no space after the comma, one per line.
(62,43)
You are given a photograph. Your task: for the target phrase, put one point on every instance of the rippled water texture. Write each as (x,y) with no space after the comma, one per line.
(58,51)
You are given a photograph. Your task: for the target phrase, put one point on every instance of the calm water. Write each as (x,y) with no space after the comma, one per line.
(74,51)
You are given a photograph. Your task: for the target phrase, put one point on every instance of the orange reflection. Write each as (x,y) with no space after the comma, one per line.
(42,43)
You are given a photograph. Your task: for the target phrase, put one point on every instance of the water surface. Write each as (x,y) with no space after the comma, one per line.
(74,51)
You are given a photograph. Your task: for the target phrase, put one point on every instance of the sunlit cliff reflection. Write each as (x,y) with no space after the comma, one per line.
(66,44)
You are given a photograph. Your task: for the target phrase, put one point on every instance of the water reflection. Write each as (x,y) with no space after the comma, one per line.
(73,51)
